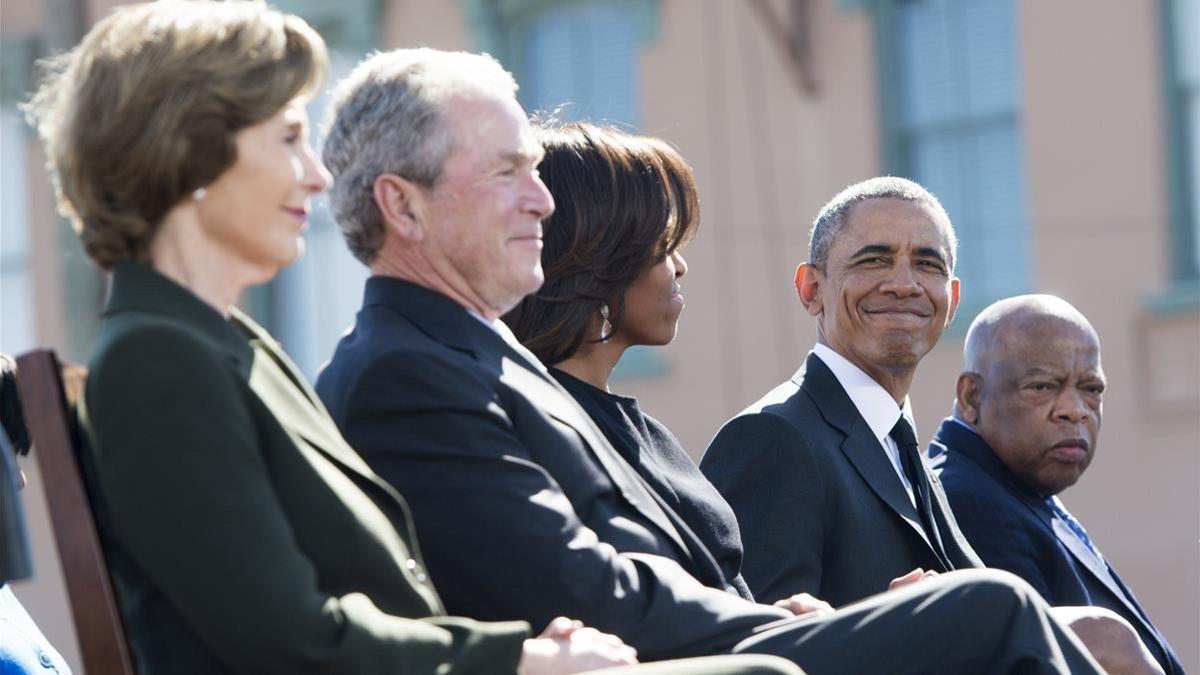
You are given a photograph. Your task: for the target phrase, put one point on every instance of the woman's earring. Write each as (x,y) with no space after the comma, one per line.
(199,193)
(606,327)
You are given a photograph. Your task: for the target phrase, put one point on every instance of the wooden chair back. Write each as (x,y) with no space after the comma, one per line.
(49,393)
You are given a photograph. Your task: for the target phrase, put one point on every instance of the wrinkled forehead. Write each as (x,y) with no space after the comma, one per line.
(1029,339)
(484,125)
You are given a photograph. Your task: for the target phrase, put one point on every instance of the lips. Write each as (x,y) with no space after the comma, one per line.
(529,240)
(900,310)
(1070,450)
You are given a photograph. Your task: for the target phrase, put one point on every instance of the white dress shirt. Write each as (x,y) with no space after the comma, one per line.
(874,404)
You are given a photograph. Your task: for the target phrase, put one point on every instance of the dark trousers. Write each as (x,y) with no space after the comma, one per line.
(971,621)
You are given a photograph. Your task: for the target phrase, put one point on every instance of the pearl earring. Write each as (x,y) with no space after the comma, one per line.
(199,193)
(606,327)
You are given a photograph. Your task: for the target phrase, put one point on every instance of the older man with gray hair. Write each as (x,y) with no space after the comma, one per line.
(525,509)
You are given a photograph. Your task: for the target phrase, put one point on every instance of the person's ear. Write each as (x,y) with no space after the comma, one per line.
(401,203)
(808,287)
(955,296)
(968,396)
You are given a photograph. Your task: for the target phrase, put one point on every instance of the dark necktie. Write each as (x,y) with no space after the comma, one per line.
(910,460)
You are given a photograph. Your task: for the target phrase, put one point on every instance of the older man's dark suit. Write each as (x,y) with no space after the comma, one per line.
(525,510)
(819,504)
(1014,529)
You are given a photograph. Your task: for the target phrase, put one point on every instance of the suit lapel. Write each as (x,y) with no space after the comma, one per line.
(1095,566)
(449,324)
(955,543)
(521,371)
(962,440)
(860,445)
(274,383)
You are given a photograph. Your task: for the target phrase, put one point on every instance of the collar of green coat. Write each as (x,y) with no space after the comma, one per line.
(139,287)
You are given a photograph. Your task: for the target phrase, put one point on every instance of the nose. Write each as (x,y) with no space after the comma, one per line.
(316,176)
(680,264)
(901,280)
(1071,407)
(541,202)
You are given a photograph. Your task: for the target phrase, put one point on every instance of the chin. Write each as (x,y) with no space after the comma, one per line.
(898,359)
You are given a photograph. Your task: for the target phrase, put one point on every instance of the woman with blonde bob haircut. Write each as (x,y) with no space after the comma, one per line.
(243,534)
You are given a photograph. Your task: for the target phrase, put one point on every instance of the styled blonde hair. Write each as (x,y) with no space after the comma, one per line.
(145,109)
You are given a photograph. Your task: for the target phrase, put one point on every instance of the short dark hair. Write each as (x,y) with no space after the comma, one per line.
(12,419)
(832,216)
(622,203)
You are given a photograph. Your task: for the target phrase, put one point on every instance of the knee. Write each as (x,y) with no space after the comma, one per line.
(1111,639)
(995,589)
(761,664)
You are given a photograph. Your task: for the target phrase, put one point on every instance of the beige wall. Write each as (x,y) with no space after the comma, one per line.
(767,155)
(1094,140)
(1098,197)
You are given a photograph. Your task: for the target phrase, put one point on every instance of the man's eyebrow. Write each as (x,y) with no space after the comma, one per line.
(1036,371)
(873,249)
(533,155)
(931,252)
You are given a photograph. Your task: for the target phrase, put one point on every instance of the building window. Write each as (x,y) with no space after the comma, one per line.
(1182,26)
(579,59)
(949,78)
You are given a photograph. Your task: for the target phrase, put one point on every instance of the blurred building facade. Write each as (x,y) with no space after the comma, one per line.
(1063,139)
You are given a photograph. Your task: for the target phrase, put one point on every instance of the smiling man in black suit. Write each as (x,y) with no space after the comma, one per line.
(524,508)
(824,472)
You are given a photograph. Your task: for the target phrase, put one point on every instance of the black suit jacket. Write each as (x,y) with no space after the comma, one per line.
(819,504)
(523,506)
(1014,529)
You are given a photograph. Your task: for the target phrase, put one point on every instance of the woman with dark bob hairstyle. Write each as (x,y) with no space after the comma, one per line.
(243,534)
(625,207)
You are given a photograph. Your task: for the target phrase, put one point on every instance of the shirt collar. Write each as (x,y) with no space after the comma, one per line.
(494,325)
(965,424)
(873,402)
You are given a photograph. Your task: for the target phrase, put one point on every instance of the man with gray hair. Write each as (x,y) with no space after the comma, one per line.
(526,510)
(1026,422)
(823,472)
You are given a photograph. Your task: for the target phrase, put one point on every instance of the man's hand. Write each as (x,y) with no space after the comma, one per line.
(568,646)
(803,603)
(911,578)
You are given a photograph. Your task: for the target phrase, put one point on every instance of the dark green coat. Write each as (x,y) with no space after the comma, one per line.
(244,535)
